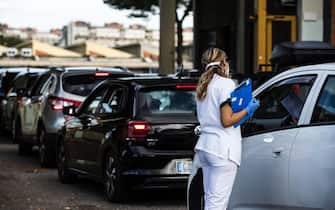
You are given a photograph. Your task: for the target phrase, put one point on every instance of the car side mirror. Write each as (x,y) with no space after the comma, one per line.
(69,110)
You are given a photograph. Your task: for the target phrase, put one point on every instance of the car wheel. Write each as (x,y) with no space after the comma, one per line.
(24,148)
(64,175)
(195,192)
(115,185)
(45,152)
(13,132)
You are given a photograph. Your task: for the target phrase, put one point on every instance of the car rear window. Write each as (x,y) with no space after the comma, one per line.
(167,102)
(81,84)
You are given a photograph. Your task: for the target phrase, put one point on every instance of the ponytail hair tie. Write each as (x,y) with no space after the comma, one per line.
(217,63)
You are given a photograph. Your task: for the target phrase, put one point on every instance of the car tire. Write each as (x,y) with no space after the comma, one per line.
(46,156)
(115,185)
(13,131)
(65,176)
(23,147)
(195,192)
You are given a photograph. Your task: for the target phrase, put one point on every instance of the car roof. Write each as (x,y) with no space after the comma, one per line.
(30,73)
(22,69)
(156,80)
(91,69)
(309,69)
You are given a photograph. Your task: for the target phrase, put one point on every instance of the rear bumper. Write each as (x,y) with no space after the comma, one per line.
(156,169)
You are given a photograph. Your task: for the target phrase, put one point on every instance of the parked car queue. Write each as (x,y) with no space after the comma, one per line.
(132,131)
(139,132)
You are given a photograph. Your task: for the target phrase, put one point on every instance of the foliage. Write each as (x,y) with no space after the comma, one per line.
(141,8)
(10,41)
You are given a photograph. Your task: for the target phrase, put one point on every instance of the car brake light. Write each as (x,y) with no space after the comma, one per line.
(138,129)
(186,86)
(101,74)
(58,103)
(19,99)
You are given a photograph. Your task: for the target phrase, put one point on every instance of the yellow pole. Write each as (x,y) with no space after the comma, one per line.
(261,33)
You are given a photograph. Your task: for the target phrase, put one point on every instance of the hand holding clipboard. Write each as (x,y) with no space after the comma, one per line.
(241,98)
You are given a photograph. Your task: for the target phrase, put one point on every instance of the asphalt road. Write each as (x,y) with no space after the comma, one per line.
(24,185)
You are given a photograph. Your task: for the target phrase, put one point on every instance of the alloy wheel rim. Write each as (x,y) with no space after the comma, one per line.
(110,176)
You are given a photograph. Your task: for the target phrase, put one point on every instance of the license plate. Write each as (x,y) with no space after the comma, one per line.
(183,166)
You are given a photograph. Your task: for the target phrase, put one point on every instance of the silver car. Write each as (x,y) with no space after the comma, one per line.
(288,146)
(40,113)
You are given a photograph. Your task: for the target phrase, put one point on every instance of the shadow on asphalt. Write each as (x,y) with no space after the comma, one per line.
(155,197)
(85,186)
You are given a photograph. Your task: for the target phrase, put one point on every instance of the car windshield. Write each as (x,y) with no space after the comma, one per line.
(81,84)
(167,102)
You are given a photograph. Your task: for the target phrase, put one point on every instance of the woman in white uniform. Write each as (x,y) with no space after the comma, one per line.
(219,146)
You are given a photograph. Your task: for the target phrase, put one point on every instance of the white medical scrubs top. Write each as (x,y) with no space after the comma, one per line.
(214,138)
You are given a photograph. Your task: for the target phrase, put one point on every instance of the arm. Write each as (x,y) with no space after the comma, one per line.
(228,118)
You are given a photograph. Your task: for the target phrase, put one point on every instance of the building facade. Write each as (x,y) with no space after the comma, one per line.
(249,29)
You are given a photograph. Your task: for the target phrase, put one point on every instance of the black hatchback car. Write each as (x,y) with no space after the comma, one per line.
(131,133)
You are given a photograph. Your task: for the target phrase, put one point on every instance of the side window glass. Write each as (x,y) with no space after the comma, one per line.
(324,111)
(280,105)
(51,86)
(47,86)
(36,91)
(94,102)
(113,103)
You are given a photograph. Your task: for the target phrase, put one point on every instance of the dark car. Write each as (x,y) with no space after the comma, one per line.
(131,133)
(15,90)
(40,115)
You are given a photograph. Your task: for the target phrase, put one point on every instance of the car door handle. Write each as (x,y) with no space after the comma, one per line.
(277,151)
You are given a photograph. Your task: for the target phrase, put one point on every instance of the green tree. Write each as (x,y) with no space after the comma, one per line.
(10,41)
(141,8)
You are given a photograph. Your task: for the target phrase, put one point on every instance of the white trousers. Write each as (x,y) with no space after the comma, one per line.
(218,176)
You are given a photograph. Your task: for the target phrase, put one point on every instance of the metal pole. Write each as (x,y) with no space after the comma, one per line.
(167,37)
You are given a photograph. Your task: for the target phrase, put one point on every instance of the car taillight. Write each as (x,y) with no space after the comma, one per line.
(58,103)
(19,99)
(101,74)
(138,130)
(186,86)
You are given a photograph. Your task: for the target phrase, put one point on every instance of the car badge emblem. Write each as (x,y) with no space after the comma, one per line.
(197,130)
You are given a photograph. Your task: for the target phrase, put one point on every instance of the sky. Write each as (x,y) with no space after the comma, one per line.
(47,14)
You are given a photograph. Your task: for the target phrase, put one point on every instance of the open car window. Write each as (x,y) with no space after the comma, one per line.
(280,105)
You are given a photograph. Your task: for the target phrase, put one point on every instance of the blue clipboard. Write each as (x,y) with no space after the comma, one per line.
(240,99)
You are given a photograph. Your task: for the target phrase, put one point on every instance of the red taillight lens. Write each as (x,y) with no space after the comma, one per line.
(138,129)
(19,99)
(58,103)
(186,87)
(101,74)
